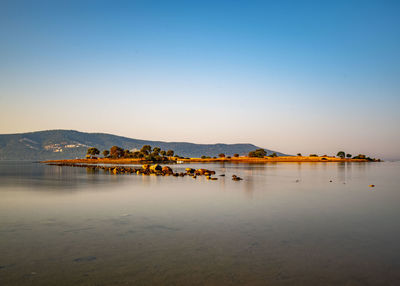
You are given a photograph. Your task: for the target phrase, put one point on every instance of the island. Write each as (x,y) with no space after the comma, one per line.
(147,154)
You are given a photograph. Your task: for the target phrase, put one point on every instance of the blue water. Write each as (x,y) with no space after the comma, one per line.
(284,224)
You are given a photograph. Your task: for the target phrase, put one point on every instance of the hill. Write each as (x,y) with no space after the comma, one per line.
(70,144)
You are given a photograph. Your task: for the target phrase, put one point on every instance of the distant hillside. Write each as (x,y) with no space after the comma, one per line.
(69,144)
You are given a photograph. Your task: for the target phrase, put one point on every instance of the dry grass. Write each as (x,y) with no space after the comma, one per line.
(242,159)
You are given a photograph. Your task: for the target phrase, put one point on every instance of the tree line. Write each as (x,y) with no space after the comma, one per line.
(156,154)
(146,152)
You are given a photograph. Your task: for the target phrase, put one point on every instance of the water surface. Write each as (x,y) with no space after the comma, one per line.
(284,224)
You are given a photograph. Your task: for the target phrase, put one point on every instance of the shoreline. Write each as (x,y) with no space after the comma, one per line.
(291,159)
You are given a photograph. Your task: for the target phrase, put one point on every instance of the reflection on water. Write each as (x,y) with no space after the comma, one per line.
(284,224)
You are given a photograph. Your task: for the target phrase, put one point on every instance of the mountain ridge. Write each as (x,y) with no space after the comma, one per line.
(69,144)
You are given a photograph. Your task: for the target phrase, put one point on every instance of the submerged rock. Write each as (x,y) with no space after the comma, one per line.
(86,258)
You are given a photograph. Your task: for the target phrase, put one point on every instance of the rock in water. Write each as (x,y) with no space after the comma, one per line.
(155,167)
(166,170)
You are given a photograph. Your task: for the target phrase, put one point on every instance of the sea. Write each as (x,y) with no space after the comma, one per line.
(322,223)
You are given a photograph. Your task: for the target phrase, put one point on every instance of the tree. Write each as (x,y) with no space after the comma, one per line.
(127,154)
(149,157)
(156,150)
(136,154)
(116,152)
(221,155)
(341,154)
(273,155)
(170,153)
(146,149)
(106,153)
(299,154)
(236,155)
(348,155)
(162,153)
(93,151)
(260,153)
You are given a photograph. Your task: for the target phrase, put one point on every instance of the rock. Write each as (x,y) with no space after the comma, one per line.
(145,166)
(222,175)
(372,186)
(201,171)
(190,170)
(166,170)
(155,168)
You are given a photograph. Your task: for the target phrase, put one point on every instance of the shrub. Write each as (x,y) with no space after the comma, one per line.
(236,155)
(360,156)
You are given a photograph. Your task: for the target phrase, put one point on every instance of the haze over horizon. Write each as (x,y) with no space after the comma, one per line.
(307,77)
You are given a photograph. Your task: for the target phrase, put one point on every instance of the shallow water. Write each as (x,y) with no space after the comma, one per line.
(284,224)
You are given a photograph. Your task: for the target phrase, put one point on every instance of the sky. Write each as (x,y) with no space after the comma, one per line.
(292,76)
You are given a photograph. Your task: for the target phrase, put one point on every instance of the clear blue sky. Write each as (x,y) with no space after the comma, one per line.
(295,76)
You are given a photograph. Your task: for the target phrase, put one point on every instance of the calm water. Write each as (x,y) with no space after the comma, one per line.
(284,224)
